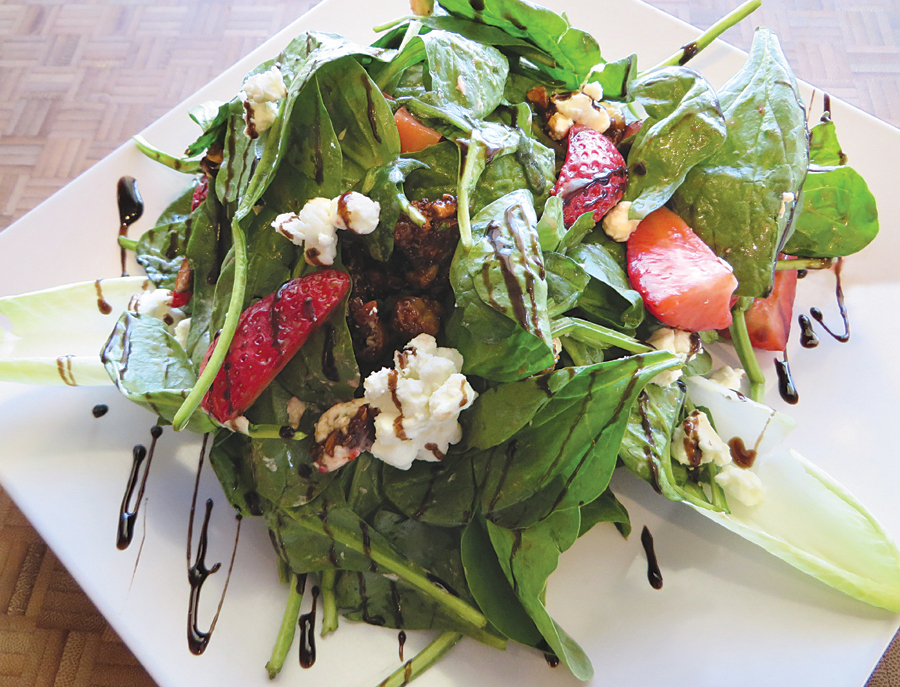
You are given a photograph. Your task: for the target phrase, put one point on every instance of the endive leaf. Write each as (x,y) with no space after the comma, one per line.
(807,518)
(57,334)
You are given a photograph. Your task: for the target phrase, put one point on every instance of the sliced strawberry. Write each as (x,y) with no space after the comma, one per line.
(268,335)
(414,135)
(769,319)
(593,177)
(201,190)
(683,283)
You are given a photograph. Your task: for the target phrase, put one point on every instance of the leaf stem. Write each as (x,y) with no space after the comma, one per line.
(271,432)
(412,575)
(422,661)
(223,341)
(686,52)
(805,264)
(329,602)
(740,337)
(288,626)
(411,210)
(127,243)
(179,164)
(596,335)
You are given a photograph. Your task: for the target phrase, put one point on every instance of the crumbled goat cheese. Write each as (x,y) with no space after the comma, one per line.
(317,223)
(593,90)
(741,484)
(786,199)
(697,432)
(295,410)
(582,109)
(259,94)
(157,303)
(356,213)
(239,424)
(675,341)
(616,223)
(419,402)
(460,84)
(182,330)
(559,126)
(697,435)
(729,377)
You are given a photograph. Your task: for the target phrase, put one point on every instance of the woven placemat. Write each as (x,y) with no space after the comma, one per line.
(78,78)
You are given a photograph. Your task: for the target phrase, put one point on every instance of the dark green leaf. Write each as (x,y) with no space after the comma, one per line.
(734,200)
(605,508)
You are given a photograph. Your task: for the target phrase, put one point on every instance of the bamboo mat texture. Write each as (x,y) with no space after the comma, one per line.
(77,79)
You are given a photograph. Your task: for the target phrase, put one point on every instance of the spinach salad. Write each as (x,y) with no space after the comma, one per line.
(424,297)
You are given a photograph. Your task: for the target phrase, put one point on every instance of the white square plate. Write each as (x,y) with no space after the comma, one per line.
(728,614)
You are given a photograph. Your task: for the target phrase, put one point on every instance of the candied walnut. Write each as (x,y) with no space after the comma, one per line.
(538,97)
(428,251)
(343,432)
(370,336)
(413,316)
(617,126)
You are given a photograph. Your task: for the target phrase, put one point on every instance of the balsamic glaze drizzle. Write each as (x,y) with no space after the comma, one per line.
(401,638)
(654,575)
(785,381)
(100,410)
(131,207)
(198,640)
(307,625)
(842,308)
(808,338)
(127,517)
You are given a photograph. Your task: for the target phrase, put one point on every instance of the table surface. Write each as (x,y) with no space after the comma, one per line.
(77,79)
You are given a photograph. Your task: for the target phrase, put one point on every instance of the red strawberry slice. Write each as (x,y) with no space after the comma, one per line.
(268,335)
(769,319)
(593,177)
(683,283)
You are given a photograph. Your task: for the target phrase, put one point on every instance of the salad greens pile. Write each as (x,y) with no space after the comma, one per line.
(466,545)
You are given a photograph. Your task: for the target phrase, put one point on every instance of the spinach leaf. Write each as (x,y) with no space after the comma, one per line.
(528,557)
(161,249)
(361,116)
(202,251)
(840,216)
(440,176)
(566,454)
(566,281)
(684,126)
(501,294)
(384,185)
(608,297)
(734,199)
(212,117)
(551,228)
(617,78)
(492,591)
(150,368)
(440,493)
(575,52)
(463,75)
(605,508)
(238,161)
(312,164)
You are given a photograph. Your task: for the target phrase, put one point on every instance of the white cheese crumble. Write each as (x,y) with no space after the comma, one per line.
(593,90)
(259,95)
(157,303)
(295,410)
(786,199)
(729,377)
(675,341)
(239,424)
(559,126)
(182,330)
(317,223)
(419,402)
(741,484)
(582,109)
(616,223)
(696,431)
